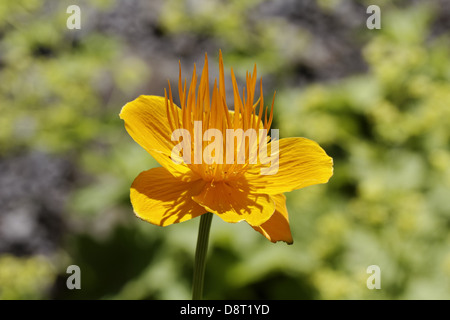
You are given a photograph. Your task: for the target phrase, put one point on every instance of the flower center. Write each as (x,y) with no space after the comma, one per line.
(219,144)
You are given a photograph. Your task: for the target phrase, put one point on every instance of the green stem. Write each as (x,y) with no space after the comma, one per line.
(200,255)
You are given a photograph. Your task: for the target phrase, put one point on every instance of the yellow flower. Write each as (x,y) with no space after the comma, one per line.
(220,175)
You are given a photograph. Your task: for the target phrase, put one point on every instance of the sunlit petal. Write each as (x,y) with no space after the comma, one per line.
(147,123)
(277,227)
(160,198)
(234,203)
(301,163)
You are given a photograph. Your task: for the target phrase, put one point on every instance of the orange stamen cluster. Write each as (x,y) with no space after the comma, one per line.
(198,105)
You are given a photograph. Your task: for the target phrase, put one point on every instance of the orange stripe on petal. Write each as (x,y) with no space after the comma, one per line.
(161,199)
(234,203)
(277,227)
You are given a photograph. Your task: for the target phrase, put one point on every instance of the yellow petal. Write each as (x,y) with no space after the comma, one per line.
(147,123)
(234,203)
(302,162)
(160,198)
(277,227)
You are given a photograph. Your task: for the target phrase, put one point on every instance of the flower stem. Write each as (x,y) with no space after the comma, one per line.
(200,255)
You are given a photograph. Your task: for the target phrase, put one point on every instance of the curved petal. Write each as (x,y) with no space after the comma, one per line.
(147,123)
(301,163)
(234,203)
(277,227)
(161,199)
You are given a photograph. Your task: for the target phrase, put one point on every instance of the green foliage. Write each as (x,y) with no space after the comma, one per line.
(245,39)
(54,86)
(25,278)
(387,131)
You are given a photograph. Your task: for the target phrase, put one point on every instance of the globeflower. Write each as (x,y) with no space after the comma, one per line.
(179,191)
(216,160)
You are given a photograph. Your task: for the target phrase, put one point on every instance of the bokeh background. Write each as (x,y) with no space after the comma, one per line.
(378,101)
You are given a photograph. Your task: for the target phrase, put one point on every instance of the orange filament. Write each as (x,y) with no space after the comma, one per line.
(213,112)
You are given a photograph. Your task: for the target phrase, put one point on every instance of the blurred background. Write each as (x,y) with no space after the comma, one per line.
(378,101)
